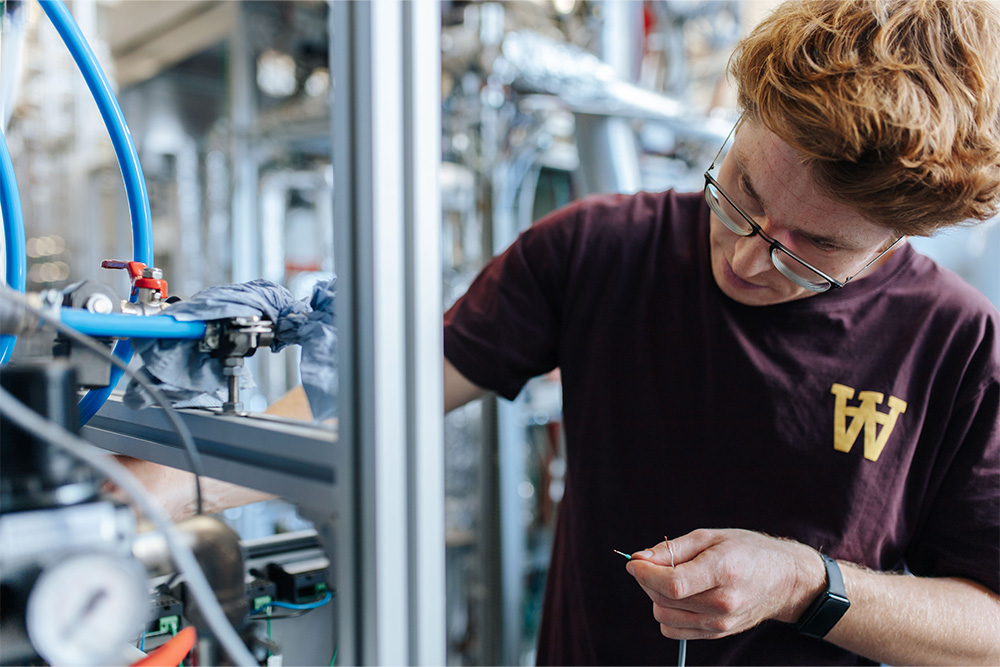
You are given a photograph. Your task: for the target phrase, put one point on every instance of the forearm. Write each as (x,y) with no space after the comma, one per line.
(457,389)
(906,620)
(217,496)
(174,489)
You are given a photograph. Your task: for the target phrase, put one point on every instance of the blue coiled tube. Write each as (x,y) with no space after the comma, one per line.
(128,160)
(13,234)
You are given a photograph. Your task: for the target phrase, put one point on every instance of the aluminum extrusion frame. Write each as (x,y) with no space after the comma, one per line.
(296,460)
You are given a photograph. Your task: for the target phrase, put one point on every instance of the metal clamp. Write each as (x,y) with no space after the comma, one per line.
(232,341)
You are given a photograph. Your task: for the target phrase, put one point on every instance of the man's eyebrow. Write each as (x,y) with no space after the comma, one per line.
(818,238)
(834,241)
(747,183)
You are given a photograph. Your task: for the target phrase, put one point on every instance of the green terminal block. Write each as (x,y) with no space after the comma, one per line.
(168,624)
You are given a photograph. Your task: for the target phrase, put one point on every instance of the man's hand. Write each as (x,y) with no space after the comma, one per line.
(726,581)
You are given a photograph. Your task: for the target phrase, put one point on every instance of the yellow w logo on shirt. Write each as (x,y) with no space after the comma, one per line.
(863,416)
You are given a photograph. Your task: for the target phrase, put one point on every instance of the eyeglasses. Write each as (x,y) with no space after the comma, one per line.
(793,267)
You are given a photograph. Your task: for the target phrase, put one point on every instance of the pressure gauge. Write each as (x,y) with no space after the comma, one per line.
(85,607)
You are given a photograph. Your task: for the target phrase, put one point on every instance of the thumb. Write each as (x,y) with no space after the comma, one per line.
(687,547)
(679,550)
(658,554)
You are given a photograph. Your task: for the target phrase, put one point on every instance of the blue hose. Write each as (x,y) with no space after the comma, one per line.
(131,326)
(128,160)
(13,235)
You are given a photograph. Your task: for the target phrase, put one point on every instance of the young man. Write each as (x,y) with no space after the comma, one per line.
(766,372)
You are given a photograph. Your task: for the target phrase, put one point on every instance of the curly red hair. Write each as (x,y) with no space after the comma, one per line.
(893,104)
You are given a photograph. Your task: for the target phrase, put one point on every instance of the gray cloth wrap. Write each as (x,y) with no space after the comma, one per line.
(192,378)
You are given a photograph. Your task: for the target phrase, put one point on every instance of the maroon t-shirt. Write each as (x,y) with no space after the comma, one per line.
(862,421)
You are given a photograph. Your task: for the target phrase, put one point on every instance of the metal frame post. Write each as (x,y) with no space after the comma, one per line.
(387,248)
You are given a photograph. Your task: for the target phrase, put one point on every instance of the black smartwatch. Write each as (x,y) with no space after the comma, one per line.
(829,607)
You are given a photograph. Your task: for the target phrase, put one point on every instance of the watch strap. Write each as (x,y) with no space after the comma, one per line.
(829,607)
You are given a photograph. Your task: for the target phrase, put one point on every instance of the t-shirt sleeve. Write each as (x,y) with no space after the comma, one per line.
(504,330)
(961,537)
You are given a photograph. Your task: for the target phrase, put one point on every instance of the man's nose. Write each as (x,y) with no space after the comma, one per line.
(751,256)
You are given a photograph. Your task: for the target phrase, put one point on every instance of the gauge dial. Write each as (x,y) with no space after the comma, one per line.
(84,607)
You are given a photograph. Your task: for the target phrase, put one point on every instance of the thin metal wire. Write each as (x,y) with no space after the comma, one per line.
(682,648)
(183,557)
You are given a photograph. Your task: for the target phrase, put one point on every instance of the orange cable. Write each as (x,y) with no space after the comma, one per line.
(173,652)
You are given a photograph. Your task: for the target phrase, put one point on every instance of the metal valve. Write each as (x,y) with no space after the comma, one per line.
(148,285)
(232,341)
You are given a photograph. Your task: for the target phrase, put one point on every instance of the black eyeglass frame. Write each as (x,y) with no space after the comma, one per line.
(774,244)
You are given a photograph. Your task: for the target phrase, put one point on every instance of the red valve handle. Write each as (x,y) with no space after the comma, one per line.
(135,270)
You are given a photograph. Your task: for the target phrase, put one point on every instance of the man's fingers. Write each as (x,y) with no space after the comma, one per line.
(679,550)
(671,583)
(671,632)
(659,554)
(730,580)
(683,624)
(680,619)
(654,594)
(659,600)
(645,554)
(687,547)
(675,583)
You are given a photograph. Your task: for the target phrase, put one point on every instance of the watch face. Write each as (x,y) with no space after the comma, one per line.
(84,608)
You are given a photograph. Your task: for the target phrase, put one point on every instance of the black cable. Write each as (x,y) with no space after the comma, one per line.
(194,458)
(165,587)
(183,557)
